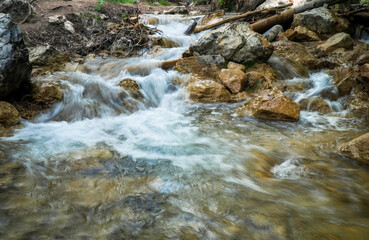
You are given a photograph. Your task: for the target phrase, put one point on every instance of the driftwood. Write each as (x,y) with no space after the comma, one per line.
(281,18)
(191,28)
(235,18)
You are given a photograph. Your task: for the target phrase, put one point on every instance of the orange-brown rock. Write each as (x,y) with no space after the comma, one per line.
(345,78)
(305,35)
(234,79)
(131,86)
(208,91)
(9,115)
(357,148)
(318,104)
(363,59)
(233,65)
(289,34)
(339,40)
(211,17)
(46,92)
(271,104)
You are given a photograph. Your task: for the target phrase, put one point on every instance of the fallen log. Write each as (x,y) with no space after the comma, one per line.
(235,18)
(191,28)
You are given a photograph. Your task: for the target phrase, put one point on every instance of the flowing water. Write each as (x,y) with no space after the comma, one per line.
(103,164)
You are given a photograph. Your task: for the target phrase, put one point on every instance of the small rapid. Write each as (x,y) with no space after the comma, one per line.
(105,163)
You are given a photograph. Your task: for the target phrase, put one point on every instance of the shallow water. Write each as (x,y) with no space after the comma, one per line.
(104,165)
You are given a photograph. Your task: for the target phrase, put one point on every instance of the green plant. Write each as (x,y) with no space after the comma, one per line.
(123,15)
(122,1)
(365,2)
(164,3)
(99,5)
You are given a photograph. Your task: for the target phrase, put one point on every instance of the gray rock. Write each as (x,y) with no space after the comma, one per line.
(319,20)
(41,55)
(68,25)
(273,33)
(339,40)
(15,67)
(235,42)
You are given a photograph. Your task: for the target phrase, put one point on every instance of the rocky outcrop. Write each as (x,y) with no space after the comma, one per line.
(208,91)
(15,67)
(273,105)
(358,148)
(9,115)
(236,42)
(42,55)
(339,40)
(204,67)
(319,20)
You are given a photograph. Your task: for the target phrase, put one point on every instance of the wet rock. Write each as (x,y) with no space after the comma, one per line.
(46,92)
(305,35)
(208,91)
(296,52)
(271,104)
(232,65)
(20,10)
(339,40)
(364,72)
(261,77)
(273,33)
(319,20)
(42,55)
(91,153)
(318,104)
(15,67)
(164,42)
(152,21)
(236,42)
(352,57)
(131,86)
(177,10)
(241,96)
(9,115)
(204,67)
(363,59)
(344,79)
(234,79)
(210,18)
(287,68)
(357,148)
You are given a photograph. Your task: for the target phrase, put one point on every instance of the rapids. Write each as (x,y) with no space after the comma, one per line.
(102,164)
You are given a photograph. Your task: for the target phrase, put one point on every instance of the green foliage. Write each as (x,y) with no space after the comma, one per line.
(164,3)
(365,2)
(122,1)
(123,15)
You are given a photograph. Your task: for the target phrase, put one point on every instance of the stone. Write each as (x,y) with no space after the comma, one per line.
(344,79)
(234,79)
(152,21)
(131,86)
(305,35)
(319,20)
(232,65)
(9,115)
(20,10)
(164,42)
(236,42)
(273,105)
(42,55)
(177,10)
(46,92)
(273,33)
(344,25)
(318,104)
(56,20)
(339,40)
(212,17)
(296,52)
(68,25)
(357,148)
(287,68)
(364,72)
(363,59)
(289,34)
(15,68)
(208,91)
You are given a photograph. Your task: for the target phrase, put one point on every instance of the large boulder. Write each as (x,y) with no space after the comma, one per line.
(339,40)
(319,20)
(20,10)
(208,91)
(271,104)
(358,148)
(236,42)
(15,67)
(9,115)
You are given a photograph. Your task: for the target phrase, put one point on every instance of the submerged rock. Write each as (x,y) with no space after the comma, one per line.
(319,20)
(339,40)
(236,42)
(15,67)
(318,104)
(271,104)
(208,91)
(9,115)
(357,148)
(131,86)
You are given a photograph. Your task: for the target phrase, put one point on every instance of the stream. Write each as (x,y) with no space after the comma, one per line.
(103,164)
